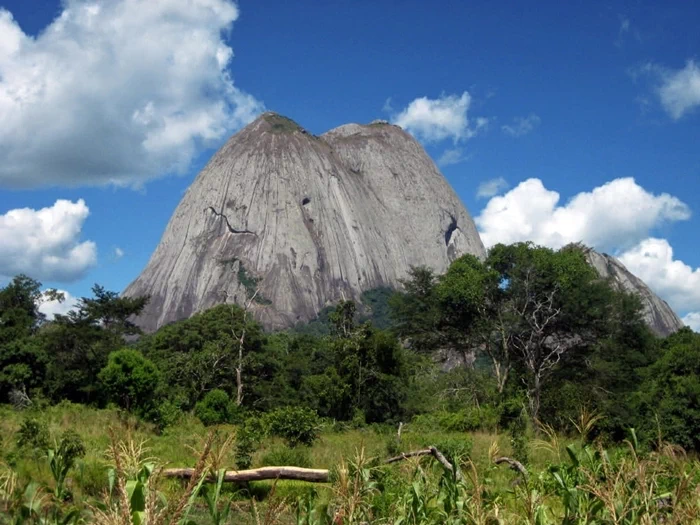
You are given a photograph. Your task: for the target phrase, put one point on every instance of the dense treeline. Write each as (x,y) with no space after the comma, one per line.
(534,335)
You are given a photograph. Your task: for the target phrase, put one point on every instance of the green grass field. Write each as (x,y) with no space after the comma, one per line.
(385,493)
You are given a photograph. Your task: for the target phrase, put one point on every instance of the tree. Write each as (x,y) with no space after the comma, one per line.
(416,311)
(556,305)
(603,376)
(79,343)
(342,320)
(471,302)
(239,336)
(198,354)
(130,380)
(371,365)
(669,398)
(464,310)
(110,311)
(19,308)
(22,361)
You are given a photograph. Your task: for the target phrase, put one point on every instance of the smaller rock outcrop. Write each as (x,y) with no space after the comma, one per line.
(657,313)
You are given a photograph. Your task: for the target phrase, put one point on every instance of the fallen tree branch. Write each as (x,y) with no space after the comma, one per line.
(406,455)
(513,464)
(430,451)
(258,474)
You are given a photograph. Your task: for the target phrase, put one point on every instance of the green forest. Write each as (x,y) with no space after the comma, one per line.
(526,359)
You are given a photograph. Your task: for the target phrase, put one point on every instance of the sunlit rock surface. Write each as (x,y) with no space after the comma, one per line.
(305,221)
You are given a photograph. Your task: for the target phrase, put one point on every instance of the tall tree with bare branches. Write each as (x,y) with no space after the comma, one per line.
(554,304)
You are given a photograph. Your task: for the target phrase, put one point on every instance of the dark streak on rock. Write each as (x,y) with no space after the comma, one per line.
(228,224)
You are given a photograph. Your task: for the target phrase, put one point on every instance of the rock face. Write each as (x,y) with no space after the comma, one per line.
(305,221)
(657,313)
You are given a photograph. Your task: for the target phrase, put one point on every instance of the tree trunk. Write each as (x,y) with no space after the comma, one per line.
(258,474)
(533,397)
(239,370)
(301,474)
(501,373)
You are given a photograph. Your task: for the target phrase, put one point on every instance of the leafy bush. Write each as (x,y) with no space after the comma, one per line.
(519,429)
(167,414)
(393,446)
(248,438)
(296,425)
(33,434)
(130,380)
(359,419)
(214,409)
(285,456)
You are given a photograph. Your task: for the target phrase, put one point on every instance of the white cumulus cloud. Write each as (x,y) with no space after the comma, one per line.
(680,90)
(116,92)
(491,187)
(433,120)
(521,125)
(693,321)
(118,253)
(653,262)
(45,244)
(52,307)
(614,216)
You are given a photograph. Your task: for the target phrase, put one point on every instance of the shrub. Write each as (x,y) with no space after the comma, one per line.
(214,408)
(470,419)
(285,456)
(130,380)
(358,418)
(393,446)
(296,425)
(248,438)
(519,430)
(167,414)
(33,434)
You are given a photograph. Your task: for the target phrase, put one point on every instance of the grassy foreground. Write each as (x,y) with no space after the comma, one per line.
(568,482)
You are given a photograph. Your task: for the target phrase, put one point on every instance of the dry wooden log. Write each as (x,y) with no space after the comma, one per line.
(514,464)
(258,474)
(298,473)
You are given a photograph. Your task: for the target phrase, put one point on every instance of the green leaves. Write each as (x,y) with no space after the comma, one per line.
(215,408)
(212,496)
(130,379)
(61,459)
(297,425)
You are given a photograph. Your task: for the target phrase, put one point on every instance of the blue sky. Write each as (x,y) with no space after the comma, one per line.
(555,122)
